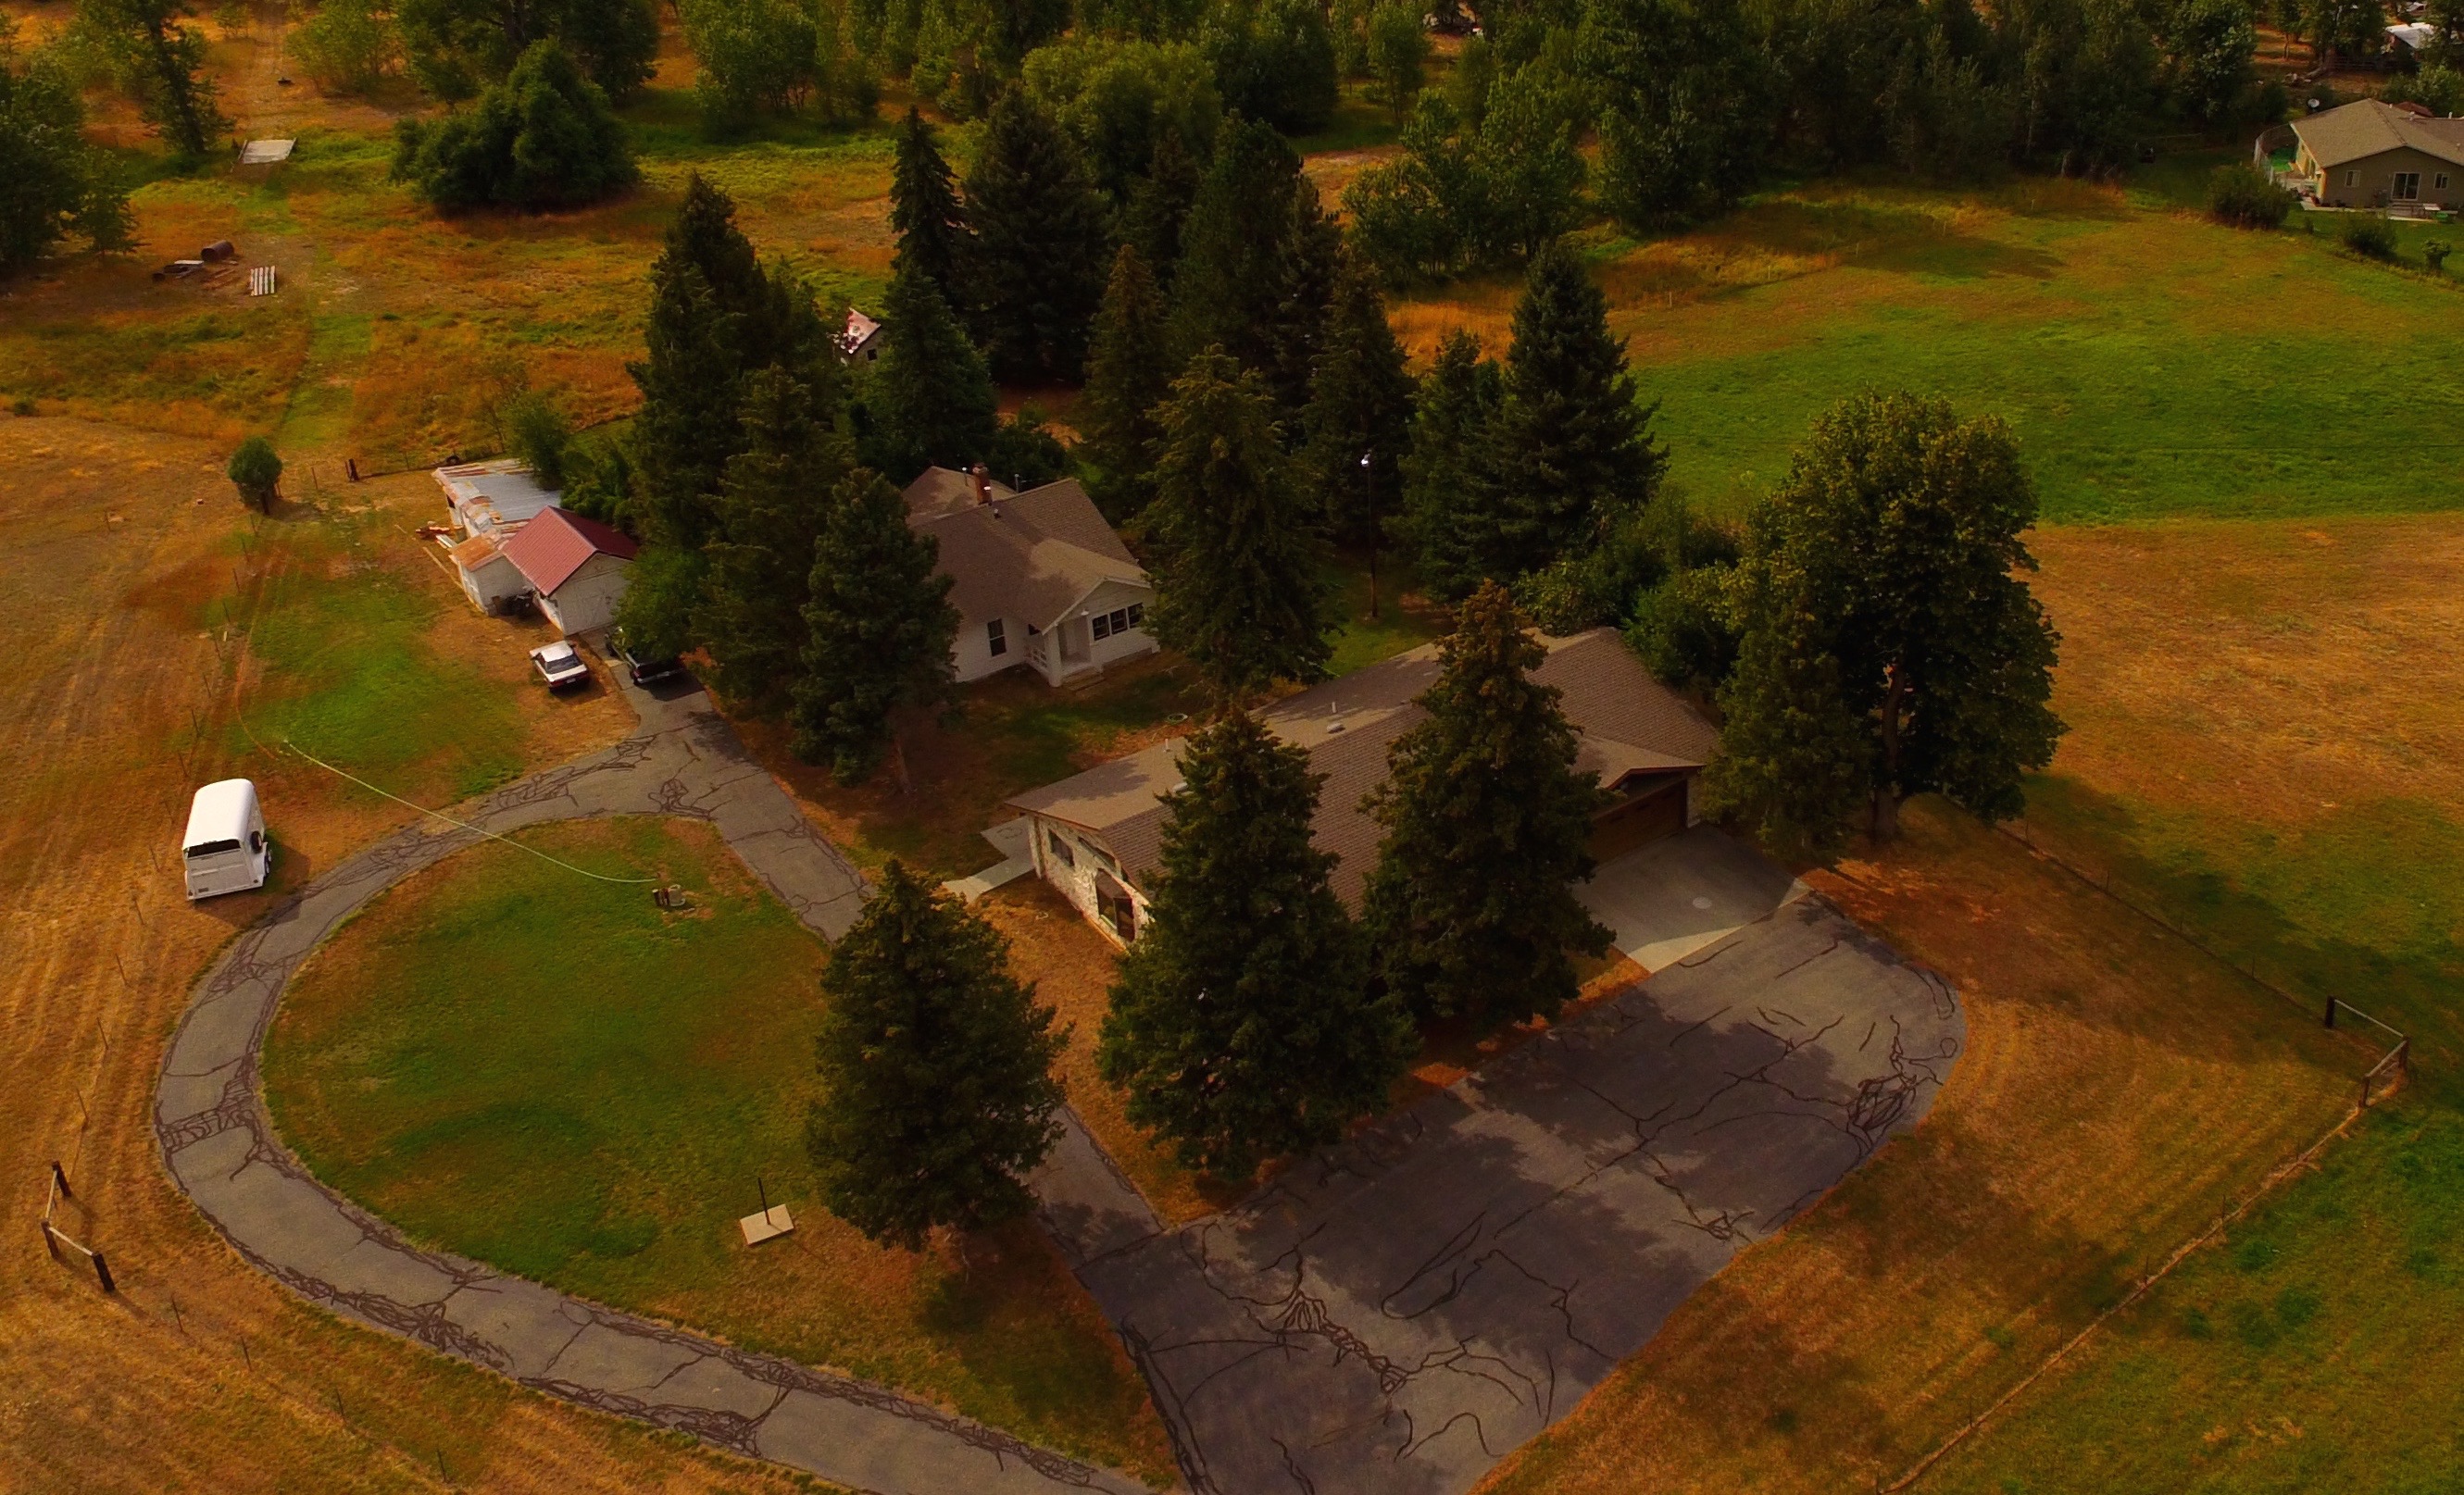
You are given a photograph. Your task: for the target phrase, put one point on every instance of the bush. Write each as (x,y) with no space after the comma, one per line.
(348,46)
(2242,196)
(539,433)
(2370,236)
(1687,629)
(1025,454)
(544,138)
(255,471)
(2434,252)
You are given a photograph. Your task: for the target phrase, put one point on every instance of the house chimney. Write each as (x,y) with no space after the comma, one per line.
(983,484)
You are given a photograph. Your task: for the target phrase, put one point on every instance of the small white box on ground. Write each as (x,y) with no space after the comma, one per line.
(771,1222)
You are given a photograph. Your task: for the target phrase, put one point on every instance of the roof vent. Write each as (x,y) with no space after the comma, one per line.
(1333,724)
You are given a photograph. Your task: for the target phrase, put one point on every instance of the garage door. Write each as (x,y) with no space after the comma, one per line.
(1656,812)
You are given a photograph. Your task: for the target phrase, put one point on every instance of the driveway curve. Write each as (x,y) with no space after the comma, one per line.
(221,1147)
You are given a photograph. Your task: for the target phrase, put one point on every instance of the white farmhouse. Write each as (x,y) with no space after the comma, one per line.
(1038,578)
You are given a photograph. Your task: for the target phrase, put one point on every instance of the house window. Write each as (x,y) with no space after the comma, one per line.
(1061,848)
(994,641)
(1139,610)
(2352,179)
(2407,186)
(1120,620)
(1100,856)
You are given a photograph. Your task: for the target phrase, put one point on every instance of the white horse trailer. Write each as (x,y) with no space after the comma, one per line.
(224,849)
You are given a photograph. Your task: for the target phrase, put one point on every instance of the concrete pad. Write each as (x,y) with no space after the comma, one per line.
(1677,895)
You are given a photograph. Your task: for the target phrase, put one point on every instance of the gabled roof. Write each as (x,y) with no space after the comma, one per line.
(477,552)
(2368,127)
(559,542)
(1625,721)
(1032,556)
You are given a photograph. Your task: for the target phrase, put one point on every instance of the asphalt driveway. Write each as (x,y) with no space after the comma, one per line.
(1686,892)
(1398,1313)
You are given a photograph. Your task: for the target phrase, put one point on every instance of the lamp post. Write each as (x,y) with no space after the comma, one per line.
(1368,467)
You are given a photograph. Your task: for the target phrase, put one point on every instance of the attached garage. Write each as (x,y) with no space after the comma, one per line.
(1651,806)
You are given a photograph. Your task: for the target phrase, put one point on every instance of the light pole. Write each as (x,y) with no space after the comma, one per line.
(1369,466)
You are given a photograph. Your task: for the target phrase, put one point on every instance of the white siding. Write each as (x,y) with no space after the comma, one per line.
(1092,652)
(971,651)
(588,598)
(491,581)
(1077,883)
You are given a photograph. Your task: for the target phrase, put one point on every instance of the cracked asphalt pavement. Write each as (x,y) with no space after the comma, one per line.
(1394,1316)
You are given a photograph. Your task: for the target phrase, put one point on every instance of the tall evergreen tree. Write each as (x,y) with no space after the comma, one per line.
(1444,506)
(1890,648)
(924,209)
(1159,204)
(931,398)
(1470,907)
(1257,263)
(1237,584)
(878,629)
(1241,1025)
(1571,454)
(1129,376)
(772,506)
(936,1071)
(1041,242)
(1360,404)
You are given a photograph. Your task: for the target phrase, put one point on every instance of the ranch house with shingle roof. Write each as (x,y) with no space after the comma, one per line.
(2369,154)
(1038,578)
(1098,836)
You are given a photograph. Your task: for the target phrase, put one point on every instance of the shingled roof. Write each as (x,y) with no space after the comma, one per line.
(1625,722)
(2367,127)
(1032,556)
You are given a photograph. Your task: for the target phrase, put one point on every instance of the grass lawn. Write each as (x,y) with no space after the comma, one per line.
(2296,798)
(2151,362)
(561,1079)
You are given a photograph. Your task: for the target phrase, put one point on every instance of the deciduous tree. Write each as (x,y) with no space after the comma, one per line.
(457,46)
(53,181)
(1237,584)
(1471,907)
(1890,648)
(1240,1026)
(544,138)
(256,472)
(936,1071)
(160,62)
(878,630)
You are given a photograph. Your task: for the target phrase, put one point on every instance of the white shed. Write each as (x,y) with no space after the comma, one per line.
(488,579)
(577,567)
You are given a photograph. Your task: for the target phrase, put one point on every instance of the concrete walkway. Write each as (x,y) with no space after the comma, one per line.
(222,1149)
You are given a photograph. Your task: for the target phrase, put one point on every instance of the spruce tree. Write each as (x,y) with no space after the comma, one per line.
(1444,509)
(931,399)
(1890,647)
(1237,584)
(878,627)
(924,209)
(1041,242)
(1241,1025)
(1569,454)
(1470,908)
(1129,375)
(1360,404)
(1159,204)
(936,1071)
(771,508)
(1257,263)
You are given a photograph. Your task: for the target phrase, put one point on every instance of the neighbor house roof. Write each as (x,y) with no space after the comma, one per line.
(2368,127)
(859,331)
(1032,556)
(475,552)
(1625,722)
(559,542)
(486,496)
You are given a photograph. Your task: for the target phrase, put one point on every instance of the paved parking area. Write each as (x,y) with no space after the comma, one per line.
(1676,897)
(1398,1313)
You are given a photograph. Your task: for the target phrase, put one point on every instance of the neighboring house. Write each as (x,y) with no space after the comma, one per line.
(2410,39)
(484,497)
(1098,837)
(576,566)
(2369,154)
(488,577)
(861,341)
(1038,578)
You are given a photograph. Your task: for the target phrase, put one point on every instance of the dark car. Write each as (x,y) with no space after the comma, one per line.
(644,668)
